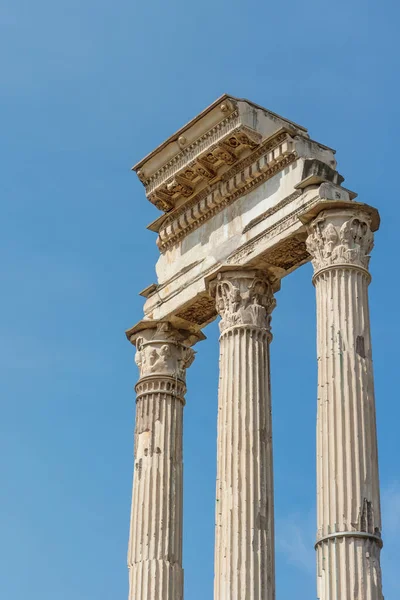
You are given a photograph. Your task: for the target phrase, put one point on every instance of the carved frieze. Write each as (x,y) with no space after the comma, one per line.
(243,298)
(340,237)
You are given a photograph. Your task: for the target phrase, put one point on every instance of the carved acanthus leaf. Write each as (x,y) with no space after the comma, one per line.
(334,239)
(243,298)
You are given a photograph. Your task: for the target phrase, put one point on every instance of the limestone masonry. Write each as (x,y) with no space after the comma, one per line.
(245,198)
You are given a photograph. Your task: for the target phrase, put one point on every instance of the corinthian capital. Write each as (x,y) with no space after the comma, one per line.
(340,237)
(243,298)
(162,350)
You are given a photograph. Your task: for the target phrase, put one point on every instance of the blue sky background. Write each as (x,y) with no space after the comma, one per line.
(88,87)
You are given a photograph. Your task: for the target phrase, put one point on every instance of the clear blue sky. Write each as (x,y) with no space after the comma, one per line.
(88,87)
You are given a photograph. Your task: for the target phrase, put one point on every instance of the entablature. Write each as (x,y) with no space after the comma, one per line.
(232,186)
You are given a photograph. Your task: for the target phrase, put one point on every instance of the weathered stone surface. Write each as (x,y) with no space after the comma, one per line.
(228,184)
(244,542)
(348,501)
(337,241)
(155,541)
(247,197)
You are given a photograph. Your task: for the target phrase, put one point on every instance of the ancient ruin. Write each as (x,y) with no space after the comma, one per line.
(246,197)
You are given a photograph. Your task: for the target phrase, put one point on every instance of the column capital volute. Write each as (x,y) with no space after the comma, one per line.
(243,298)
(340,234)
(163,349)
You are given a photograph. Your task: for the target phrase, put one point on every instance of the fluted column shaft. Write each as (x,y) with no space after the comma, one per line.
(244,544)
(155,541)
(348,500)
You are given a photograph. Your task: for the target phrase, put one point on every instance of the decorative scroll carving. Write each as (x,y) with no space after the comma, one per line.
(200,168)
(160,352)
(243,298)
(204,170)
(244,139)
(334,239)
(178,185)
(248,140)
(162,201)
(223,153)
(221,130)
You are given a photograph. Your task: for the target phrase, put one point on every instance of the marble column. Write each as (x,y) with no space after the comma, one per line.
(348,502)
(244,545)
(155,542)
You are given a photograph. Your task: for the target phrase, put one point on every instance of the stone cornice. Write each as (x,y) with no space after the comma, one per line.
(263,163)
(200,126)
(214,135)
(190,173)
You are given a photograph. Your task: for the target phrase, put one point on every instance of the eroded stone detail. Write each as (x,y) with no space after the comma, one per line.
(170,358)
(213,136)
(244,533)
(199,169)
(200,312)
(292,252)
(348,500)
(243,298)
(265,161)
(155,541)
(159,352)
(220,157)
(337,237)
(162,386)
